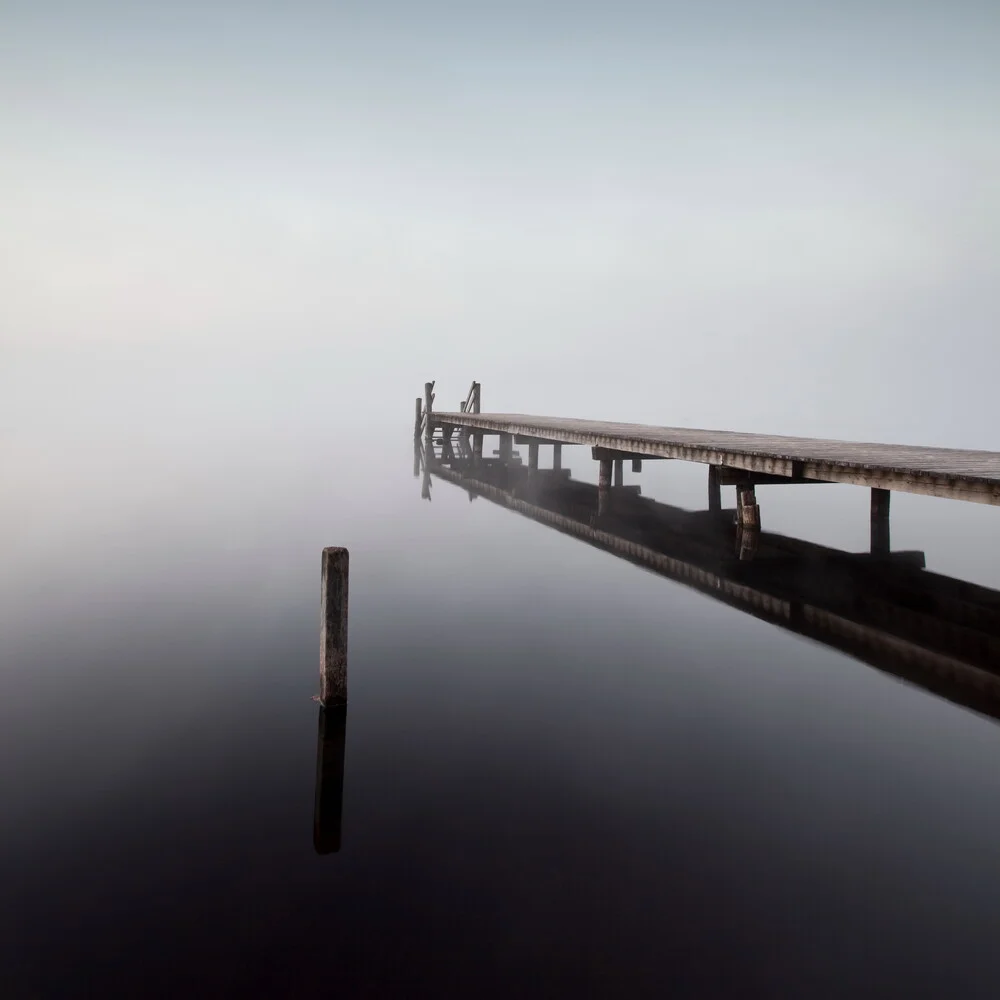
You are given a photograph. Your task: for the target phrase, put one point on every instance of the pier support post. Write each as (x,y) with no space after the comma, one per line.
(333,631)
(418,416)
(557,456)
(604,487)
(477,447)
(746,542)
(533,457)
(619,472)
(880,522)
(637,465)
(747,511)
(714,488)
(329,807)
(506,448)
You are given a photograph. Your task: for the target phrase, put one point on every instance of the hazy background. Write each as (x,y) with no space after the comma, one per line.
(231,230)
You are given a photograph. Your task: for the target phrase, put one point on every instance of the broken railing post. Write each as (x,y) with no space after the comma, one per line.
(880,522)
(333,631)
(329,806)
(428,410)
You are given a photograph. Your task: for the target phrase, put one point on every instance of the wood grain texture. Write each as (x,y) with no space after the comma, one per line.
(946,472)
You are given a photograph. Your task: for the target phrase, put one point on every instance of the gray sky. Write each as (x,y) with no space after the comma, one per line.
(759,216)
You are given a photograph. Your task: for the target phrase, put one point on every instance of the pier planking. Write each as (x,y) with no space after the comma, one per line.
(942,472)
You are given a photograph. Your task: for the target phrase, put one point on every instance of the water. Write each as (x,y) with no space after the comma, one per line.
(564,775)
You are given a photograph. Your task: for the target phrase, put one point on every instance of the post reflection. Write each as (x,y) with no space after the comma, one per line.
(330,750)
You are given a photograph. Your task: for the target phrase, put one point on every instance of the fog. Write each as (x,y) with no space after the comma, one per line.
(779,218)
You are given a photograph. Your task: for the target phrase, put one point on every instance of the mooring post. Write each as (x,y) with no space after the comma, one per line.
(714,488)
(416,458)
(329,806)
(417,418)
(333,631)
(557,456)
(880,522)
(604,487)
(619,472)
(747,511)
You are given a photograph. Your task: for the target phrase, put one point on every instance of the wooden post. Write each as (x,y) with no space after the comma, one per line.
(619,472)
(476,402)
(477,447)
(533,456)
(462,405)
(604,487)
(637,465)
(416,458)
(880,522)
(333,633)
(747,511)
(557,456)
(714,488)
(329,806)
(429,410)
(506,448)
(417,419)
(746,542)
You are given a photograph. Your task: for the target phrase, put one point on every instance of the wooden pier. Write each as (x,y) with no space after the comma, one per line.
(734,458)
(882,608)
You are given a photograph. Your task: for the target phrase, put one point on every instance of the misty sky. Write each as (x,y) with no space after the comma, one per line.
(761,216)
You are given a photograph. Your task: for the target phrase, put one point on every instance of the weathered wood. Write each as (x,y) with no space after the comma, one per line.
(714,488)
(417,419)
(506,450)
(333,631)
(604,487)
(328,810)
(747,510)
(880,522)
(637,465)
(945,472)
(731,477)
(619,473)
(429,410)
(557,456)
(533,456)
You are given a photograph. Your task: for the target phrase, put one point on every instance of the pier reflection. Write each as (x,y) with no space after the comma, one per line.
(883,608)
(330,746)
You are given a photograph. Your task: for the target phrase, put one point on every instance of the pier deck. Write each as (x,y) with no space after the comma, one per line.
(941,472)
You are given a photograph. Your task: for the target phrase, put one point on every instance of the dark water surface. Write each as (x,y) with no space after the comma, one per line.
(565,776)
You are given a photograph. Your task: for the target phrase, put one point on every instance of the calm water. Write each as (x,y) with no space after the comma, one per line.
(564,776)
